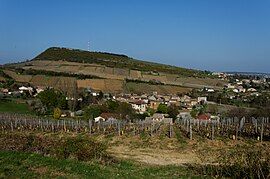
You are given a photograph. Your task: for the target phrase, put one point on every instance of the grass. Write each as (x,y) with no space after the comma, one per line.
(27,165)
(14,107)
(179,136)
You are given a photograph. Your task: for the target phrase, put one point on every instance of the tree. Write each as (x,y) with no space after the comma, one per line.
(125,110)
(162,108)
(101,95)
(237,112)
(212,108)
(173,111)
(92,111)
(37,106)
(151,111)
(57,113)
(52,98)
(194,112)
(112,105)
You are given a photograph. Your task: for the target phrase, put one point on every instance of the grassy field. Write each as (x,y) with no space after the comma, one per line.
(27,165)
(14,107)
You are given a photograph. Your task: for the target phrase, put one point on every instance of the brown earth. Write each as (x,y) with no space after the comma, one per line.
(18,77)
(105,85)
(154,156)
(132,87)
(121,74)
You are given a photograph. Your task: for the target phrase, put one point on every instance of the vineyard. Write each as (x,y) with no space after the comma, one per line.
(12,122)
(226,128)
(107,72)
(231,128)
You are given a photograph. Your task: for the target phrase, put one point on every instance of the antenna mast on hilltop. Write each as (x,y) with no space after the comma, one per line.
(88,46)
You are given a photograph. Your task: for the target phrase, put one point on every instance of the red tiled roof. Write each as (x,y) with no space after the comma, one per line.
(203,117)
(139,102)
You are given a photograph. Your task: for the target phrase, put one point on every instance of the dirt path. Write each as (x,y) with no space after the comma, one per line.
(154,156)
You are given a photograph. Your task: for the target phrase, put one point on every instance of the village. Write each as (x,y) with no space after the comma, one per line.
(153,106)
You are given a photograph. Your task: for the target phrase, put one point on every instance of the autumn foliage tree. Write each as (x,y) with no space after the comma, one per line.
(57,113)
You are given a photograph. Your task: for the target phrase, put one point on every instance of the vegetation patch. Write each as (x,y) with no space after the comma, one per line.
(240,162)
(10,106)
(27,165)
(81,147)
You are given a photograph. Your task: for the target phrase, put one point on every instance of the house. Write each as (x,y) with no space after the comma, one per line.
(154,104)
(232,97)
(152,98)
(210,90)
(256,81)
(239,83)
(193,102)
(39,89)
(216,118)
(184,114)
(166,99)
(139,106)
(230,86)
(241,89)
(4,90)
(251,90)
(106,117)
(202,99)
(185,99)
(95,93)
(99,119)
(175,100)
(157,117)
(23,88)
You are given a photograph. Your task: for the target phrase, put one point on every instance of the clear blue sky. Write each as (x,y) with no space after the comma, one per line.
(218,35)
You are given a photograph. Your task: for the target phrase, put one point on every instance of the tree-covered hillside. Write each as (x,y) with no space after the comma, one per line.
(113,60)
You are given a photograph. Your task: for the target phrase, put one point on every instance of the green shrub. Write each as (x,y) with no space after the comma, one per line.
(239,163)
(81,148)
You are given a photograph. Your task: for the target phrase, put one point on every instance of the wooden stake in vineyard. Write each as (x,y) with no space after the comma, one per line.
(213,131)
(190,130)
(262,130)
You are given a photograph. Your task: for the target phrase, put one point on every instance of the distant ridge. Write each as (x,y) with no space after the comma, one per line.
(114,60)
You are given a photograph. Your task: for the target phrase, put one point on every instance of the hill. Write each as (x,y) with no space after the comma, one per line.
(113,60)
(108,72)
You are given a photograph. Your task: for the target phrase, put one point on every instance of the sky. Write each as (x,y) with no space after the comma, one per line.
(216,35)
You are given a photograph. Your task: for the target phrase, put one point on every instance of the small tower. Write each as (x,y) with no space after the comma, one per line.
(88,46)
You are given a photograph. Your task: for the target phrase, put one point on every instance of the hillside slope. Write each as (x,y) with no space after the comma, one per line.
(113,60)
(107,72)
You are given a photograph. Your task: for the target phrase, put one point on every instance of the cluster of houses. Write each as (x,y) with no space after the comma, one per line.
(141,102)
(33,91)
(238,88)
(245,85)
